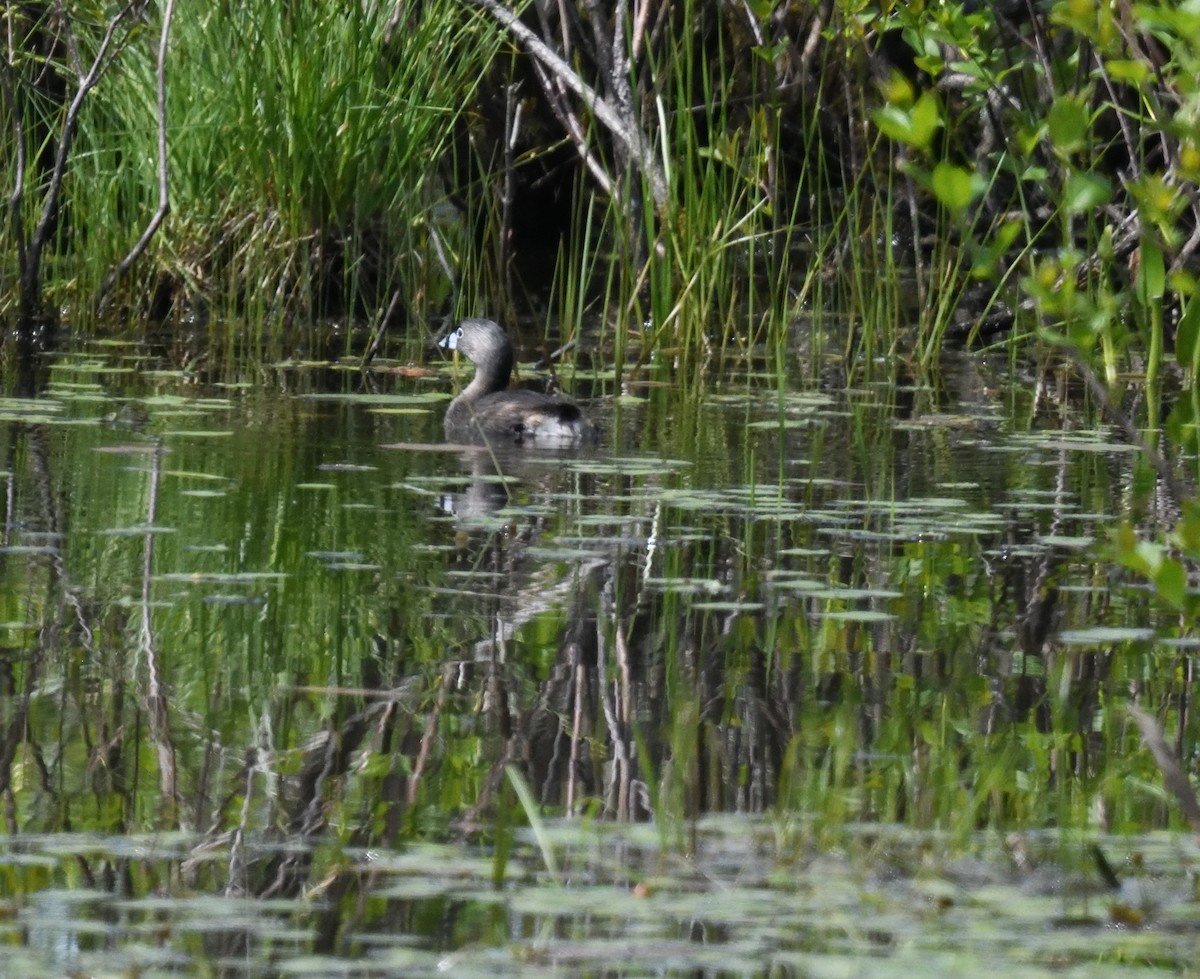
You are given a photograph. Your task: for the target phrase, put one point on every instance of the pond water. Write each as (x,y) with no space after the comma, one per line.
(265,637)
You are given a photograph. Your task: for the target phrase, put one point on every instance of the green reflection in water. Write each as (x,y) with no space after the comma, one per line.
(325,628)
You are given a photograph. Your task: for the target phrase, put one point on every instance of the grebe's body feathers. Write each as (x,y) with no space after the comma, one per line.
(487,411)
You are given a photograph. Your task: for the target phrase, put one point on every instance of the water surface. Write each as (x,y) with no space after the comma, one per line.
(272,612)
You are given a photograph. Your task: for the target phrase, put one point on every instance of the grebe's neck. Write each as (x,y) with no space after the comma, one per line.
(490,377)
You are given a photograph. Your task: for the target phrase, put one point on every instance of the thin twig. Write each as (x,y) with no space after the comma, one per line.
(381,328)
(513,112)
(639,30)
(556,99)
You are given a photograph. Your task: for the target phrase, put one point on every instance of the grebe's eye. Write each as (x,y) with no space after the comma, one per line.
(458,332)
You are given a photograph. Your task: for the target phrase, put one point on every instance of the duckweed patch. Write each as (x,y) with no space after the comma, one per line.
(749,896)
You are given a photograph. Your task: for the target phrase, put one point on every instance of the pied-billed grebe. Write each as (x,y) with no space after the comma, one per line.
(487,411)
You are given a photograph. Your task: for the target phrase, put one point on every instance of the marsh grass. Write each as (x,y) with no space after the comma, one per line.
(303,149)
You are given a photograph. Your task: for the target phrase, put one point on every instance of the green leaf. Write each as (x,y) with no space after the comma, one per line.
(971,68)
(1151,274)
(1067,124)
(1181,426)
(898,92)
(914,127)
(954,187)
(926,119)
(1159,202)
(1187,531)
(1027,139)
(772,52)
(1187,336)
(931,64)
(1171,582)
(1123,70)
(1086,191)
(986,257)
(894,122)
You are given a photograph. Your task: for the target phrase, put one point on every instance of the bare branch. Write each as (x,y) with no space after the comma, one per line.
(622,128)
(164,190)
(15,199)
(556,100)
(30,279)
